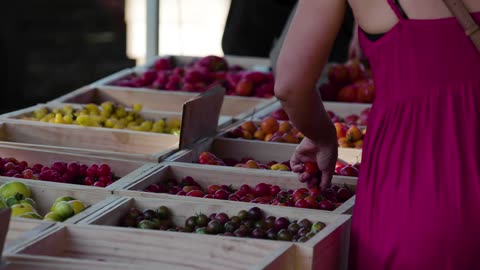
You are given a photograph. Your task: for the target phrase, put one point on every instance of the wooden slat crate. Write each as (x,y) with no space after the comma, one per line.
(328,249)
(44,194)
(260,151)
(111,143)
(21,229)
(127,170)
(166,101)
(104,247)
(205,176)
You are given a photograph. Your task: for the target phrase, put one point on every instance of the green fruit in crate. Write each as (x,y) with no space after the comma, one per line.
(18,198)
(61,199)
(146,224)
(21,208)
(51,216)
(163,212)
(30,215)
(13,187)
(77,206)
(2,203)
(63,209)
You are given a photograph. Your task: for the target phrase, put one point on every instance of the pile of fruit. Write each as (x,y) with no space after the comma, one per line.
(269,130)
(353,119)
(61,172)
(348,82)
(18,196)
(200,76)
(106,115)
(349,136)
(261,193)
(251,224)
(208,158)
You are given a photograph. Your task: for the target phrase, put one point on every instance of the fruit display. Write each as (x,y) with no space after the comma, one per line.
(252,224)
(269,130)
(18,197)
(350,136)
(60,172)
(349,82)
(352,119)
(200,75)
(208,158)
(261,193)
(106,115)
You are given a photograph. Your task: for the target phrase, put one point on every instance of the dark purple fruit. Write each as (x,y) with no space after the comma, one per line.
(230,226)
(281,223)
(250,224)
(236,219)
(255,213)
(305,223)
(149,214)
(303,231)
(163,212)
(214,227)
(284,235)
(293,228)
(258,233)
(243,215)
(318,226)
(202,220)
(191,222)
(212,216)
(240,232)
(222,218)
(270,222)
(259,224)
(272,234)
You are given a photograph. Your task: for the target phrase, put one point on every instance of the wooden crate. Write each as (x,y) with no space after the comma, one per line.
(126,169)
(111,143)
(260,151)
(341,109)
(44,194)
(166,101)
(89,244)
(328,249)
(22,229)
(205,176)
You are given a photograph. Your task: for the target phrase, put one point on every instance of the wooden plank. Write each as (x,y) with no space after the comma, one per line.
(246,62)
(112,143)
(22,229)
(127,170)
(164,250)
(206,175)
(4,224)
(328,249)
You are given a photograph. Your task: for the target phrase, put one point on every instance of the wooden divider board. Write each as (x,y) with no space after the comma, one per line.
(22,229)
(158,100)
(111,143)
(206,175)
(44,194)
(147,249)
(249,63)
(128,170)
(260,151)
(328,249)
(4,224)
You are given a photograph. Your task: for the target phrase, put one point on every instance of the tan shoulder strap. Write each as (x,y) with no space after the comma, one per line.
(471,28)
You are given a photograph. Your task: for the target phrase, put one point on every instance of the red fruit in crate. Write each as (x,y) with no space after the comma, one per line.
(341,130)
(330,194)
(244,87)
(105,179)
(245,199)
(212,63)
(280,114)
(335,188)
(356,71)
(187,189)
(175,190)
(162,64)
(59,167)
(99,184)
(343,194)
(326,205)
(298,195)
(233,197)
(365,92)
(149,76)
(181,193)
(179,71)
(195,193)
(211,189)
(104,170)
(221,194)
(88,181)
(189,181)
(310,167)
(328,92)
(240,193)
(265,90)
(338,75)
(312,201)
(349,171)
(261,190)
(314,192)
(364,116)
(193,76)
(246,188)
(27,174)
(92,170)
(208,196)
(357,166)
(274,190)
(73,169)
(18,168)
(302,204)
(153,188)
(17,175)
(37,168)
(348,93)
(352,119)
(255,76)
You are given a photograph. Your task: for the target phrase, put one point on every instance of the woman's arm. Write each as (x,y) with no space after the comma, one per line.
(304,54)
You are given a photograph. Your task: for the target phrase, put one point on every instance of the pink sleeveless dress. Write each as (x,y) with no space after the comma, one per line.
(418,195)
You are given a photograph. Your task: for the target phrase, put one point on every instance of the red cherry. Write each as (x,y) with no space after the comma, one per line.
(88,181)
(246,188)
(208,196)
(311,167)
(154,188)
(343,194)
(181,193)
(274,190)
(99,184)
(233,197)
(314,192)
(221,194)
(104,170)
(349,171)
(105,179)
(302,204)
(211,189)
(326,205)
(195,193)
(261,190)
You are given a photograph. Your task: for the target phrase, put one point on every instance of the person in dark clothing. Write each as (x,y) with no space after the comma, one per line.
(256,28)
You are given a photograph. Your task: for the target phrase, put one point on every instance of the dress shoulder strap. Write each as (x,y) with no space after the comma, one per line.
(397,9)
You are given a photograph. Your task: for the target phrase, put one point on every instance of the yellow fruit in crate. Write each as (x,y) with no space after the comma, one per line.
(120,111)
(21,208)
(30,215)
(146,125)
(91,107)
(279,167)
(13,187)
(110,123)
(137,107)
(51,216)
(61,199)
(68,109)
(63,209)
(56,110)
(59,118)
(68,119)
(107,106)
(40,113)
(173,123)
(84,120)
(175,132)
(77,206)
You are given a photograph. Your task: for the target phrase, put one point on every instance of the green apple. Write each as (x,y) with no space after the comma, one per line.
(63,209)
(61,199)
(13,187)
(52,216)
(21,208)
(31,215)
(29,201)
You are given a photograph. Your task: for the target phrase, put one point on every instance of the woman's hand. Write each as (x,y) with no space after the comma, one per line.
(324,155)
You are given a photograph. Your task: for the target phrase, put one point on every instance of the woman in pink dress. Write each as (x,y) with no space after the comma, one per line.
(418,194)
